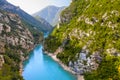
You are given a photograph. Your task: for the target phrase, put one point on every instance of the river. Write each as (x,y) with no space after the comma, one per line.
(42,67)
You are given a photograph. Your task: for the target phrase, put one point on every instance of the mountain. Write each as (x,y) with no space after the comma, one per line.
(43,21)
(16,40)
(88,39)
(51,14)
(26,17)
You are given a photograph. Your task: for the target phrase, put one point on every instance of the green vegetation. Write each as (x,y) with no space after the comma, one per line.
(69,53)
(10,69)
(49,41)
(7,73)
(15,44)
(96,25)
(109,69)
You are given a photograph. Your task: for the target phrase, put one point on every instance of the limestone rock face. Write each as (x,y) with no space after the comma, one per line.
(86,63)
(1,61)
(2,49)
(1,27)
(14,32)
(14,36)
(7,28)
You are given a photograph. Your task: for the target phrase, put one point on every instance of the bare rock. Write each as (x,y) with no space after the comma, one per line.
(7,28)
(1,28)
(1,61)
(2,49)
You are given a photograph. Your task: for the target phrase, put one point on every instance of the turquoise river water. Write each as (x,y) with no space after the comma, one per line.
(42,67)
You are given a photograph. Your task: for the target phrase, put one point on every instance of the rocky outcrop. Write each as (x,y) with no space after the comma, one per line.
(16,40)
(17,34)
(86,63)
(1,61)
(2,49)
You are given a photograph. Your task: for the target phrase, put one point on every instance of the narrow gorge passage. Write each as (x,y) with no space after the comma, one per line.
(42,67)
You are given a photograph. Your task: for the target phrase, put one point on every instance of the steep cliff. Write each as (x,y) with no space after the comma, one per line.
(89,36)
(16,40)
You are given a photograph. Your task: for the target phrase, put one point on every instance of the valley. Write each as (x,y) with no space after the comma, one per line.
(76,42)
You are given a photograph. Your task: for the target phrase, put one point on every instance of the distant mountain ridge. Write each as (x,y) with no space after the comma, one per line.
(25,16)
(50,14)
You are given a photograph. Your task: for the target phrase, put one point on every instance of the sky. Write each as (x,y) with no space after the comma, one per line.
(32,6)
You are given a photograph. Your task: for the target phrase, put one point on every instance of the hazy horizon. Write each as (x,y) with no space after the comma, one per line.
(32,6)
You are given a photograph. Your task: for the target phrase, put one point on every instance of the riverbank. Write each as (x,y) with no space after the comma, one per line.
(53,56)
(22,58)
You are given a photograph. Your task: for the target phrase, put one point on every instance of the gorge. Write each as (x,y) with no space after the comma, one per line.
(40,66)
(86,40)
